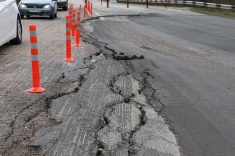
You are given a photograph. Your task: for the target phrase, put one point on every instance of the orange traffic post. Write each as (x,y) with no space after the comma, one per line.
(87,6)
(78,32)
(91,8)
(71,14)
(70,10)
(35,63)
(70,7)
(73,23)
(84,12)
(68,40)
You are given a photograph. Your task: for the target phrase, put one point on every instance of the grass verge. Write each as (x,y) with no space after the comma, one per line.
(213,11)
(202,10)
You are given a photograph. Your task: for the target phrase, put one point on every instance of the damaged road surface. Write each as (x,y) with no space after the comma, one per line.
(100,121)
(187,74)
(92,106)
(138,87)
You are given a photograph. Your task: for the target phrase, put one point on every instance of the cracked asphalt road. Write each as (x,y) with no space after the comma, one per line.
(188,68)
(128,74)
(92,106)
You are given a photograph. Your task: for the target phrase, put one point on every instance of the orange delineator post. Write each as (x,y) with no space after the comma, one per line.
(68,40)
(71,14)
(84,12)
(91,8)
(70,10)
(78,32)
(87,5)
(73,23)
(70,7)
(35,63)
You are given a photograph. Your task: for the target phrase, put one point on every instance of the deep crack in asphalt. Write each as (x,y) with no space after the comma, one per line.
(127,138)
(120,56)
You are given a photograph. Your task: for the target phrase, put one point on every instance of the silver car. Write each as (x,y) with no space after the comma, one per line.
(38,8)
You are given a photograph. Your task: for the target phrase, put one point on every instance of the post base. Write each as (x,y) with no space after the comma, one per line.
(77,45)
(68,59)
(36,90)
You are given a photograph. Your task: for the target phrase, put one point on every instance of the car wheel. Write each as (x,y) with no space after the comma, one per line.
(55,15)
(22,16)
(27,16)
(52,16)
(18,38)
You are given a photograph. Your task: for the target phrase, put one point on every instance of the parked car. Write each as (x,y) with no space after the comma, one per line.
(38,7)
(63,4)
(10,23)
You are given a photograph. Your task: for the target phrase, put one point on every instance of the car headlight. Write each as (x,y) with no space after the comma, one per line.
(23,6)
(47,7)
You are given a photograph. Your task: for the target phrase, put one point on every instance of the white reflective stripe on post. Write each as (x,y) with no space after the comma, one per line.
(77,28)
(68,37)
(78,23)
(67,29)
(74,18)
(33,33)
(73,15)
(33,45)
(34,57)
(71,18)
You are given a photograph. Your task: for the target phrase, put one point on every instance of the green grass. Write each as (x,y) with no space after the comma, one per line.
(214,12)
(202,10)
(208,11)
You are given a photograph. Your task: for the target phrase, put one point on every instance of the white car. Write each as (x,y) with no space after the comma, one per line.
(10,23)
